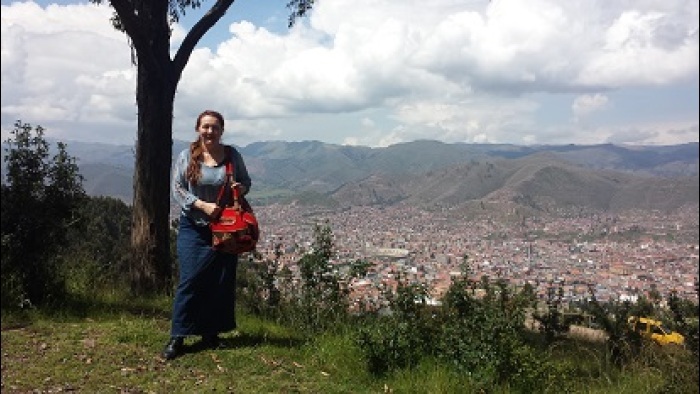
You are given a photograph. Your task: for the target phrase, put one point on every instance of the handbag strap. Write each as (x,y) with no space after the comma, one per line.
(229,180)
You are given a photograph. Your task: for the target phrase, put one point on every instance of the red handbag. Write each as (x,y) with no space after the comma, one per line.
(236,229)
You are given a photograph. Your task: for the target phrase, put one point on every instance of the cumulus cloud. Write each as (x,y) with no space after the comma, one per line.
(376,72)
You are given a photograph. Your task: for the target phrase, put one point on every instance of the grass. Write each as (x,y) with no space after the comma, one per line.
(119,352)
(110,345)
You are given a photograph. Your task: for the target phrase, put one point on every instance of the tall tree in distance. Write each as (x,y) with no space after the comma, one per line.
(148,26)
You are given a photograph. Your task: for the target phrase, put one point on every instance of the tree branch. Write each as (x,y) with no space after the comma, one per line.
(196,33)
(130,21)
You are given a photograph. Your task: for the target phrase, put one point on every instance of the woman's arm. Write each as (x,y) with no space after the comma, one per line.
(179,185)
(242,176)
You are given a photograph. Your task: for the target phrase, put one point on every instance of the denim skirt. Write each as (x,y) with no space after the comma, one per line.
(205,297)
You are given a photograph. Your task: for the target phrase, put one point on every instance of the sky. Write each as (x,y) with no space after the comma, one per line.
(373,72)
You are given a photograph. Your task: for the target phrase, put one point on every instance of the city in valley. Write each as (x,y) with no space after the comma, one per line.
(620,257)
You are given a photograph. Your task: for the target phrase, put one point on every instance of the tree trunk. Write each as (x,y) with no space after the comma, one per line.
(151,268)
(146,23)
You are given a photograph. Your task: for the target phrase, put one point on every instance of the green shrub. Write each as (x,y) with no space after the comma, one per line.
(402,335)
(40,199)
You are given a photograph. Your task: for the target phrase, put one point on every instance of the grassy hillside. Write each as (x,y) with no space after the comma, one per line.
(119,353)
(112,344)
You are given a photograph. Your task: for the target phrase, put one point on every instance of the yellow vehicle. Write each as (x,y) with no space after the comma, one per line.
(655,330)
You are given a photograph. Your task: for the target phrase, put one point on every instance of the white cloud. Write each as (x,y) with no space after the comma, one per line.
(377,72)
(645,48)
(586,104)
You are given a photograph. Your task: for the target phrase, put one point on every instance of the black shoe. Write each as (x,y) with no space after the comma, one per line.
(211,341)
(173,348)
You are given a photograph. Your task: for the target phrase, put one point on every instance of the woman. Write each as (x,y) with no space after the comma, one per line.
(205,296)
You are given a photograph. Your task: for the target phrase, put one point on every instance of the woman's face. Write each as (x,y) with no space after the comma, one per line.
(210,130)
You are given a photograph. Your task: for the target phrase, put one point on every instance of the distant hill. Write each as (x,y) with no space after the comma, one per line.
(434,174)
(540,183)
(106,180)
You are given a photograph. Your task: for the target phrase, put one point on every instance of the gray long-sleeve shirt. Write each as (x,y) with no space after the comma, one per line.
(207,189)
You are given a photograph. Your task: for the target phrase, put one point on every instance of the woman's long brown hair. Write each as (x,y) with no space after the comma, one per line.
(194,170)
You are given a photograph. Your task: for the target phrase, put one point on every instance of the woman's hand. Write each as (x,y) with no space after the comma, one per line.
(210,208)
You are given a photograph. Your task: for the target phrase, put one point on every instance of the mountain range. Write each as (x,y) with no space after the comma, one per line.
(430,174)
